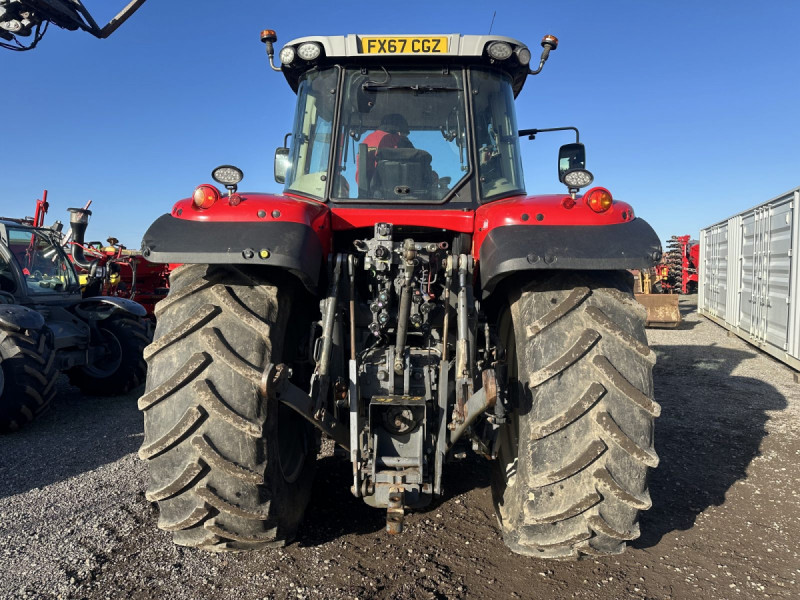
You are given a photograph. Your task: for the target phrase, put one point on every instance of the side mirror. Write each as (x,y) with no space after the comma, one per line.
(570,156)
(282,164)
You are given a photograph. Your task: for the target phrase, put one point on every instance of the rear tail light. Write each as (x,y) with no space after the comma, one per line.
(205,196)
(598,199)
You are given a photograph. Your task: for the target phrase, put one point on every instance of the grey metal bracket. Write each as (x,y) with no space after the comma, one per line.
(275,383)
(481,401)
(395,512)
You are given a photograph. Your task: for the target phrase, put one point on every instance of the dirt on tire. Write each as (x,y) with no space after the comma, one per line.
(225,473)
(571,477)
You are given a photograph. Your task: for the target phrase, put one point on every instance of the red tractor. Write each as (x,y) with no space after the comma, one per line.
(403,295)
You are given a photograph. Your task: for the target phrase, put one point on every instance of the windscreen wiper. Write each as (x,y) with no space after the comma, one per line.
(370,87)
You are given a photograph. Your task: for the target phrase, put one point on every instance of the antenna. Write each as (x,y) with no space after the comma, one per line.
(492,23)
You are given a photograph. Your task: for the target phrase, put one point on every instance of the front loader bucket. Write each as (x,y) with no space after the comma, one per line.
(662,309)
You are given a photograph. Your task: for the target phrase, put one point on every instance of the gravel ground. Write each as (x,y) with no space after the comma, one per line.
(725,522)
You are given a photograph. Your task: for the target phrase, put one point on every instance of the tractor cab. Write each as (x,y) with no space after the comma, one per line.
(405,119)
(33,265)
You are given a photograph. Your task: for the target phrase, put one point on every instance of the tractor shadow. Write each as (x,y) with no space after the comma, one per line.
(334,512)
(710,429)
(77,435)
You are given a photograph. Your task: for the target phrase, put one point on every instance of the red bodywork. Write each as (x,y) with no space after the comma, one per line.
(694,260)
(41,211)
(139,280)
(690,259)
(543,210)
(255,208)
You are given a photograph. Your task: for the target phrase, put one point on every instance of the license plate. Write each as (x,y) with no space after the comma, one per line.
(404,45)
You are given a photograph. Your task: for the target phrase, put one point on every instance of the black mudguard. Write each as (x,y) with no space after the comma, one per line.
(102,307)
(18,318)
(291,246)
(514,248)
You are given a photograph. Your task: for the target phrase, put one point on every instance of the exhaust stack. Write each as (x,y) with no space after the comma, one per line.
(79,220)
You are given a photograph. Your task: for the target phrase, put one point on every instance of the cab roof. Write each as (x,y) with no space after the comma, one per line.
(407,49)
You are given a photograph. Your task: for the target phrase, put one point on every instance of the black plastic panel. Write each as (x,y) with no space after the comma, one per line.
(514,248)
(291,246)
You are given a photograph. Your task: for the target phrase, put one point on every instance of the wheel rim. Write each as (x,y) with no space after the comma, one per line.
(292,443)
(110,363)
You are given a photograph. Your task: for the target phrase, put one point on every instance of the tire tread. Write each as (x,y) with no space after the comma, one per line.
(579,477)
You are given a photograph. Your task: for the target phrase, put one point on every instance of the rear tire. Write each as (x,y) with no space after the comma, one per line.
(229,469)
(123,368)
(27,377)
(571,476)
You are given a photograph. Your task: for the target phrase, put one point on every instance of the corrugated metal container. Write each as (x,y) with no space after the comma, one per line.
(750,273)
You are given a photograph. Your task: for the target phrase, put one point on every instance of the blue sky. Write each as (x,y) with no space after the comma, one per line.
(690,111)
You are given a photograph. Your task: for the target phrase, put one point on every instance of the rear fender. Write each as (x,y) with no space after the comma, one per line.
(513,248)
(558,232)
(19,318)
(268,231)
(98,308)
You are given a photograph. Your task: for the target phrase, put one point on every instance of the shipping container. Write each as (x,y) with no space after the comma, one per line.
(749,273)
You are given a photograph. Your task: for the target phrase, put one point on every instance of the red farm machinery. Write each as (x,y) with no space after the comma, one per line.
(109,269)
(404,295)
(681,259)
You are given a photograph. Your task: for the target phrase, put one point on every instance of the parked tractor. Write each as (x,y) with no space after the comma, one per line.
(109,270)
(403,296)
(46,327)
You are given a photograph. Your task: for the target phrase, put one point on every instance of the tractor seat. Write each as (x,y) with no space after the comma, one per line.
(402,173)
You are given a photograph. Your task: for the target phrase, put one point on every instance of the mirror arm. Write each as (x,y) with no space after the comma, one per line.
(531,133)
(286,140)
